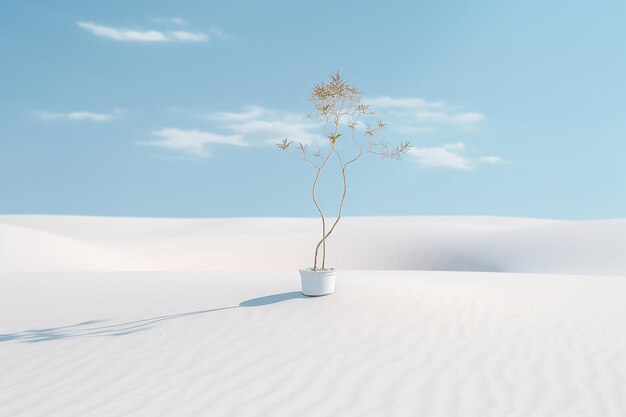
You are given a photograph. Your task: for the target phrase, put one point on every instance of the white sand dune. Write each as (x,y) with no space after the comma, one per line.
(81,337)
(487,244)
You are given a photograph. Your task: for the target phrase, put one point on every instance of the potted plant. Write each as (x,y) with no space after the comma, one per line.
(344,118)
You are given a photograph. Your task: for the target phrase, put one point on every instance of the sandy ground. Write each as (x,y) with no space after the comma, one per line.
(82,338)
(484,244)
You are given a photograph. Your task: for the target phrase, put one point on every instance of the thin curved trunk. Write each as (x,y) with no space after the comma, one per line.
(317,176)
(343,199)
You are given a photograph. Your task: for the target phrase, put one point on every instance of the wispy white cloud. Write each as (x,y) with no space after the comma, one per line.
(191,141)
(258,126)
(121,34)
(450,155)
(410,103)
(418,115)
(252,126)
(265,126)
(441,117)
(189,36)
(446,156)
(75,116)
(413,116)
(490,159)
(169,20)
(152,35)
(250,113)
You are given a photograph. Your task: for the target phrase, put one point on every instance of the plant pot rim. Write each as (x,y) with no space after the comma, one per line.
(317,270)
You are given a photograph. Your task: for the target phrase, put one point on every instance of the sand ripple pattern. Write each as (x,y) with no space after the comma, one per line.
(428,344)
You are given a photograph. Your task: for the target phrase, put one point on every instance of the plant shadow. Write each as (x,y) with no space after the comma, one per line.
(87,328)
(272,299)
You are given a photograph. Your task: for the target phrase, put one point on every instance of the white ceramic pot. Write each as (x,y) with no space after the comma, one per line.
(315,283)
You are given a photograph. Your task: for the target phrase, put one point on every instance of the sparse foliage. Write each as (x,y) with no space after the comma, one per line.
(284,145)
(338,105)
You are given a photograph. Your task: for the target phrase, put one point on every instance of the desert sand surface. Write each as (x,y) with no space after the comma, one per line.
(483,244)
(432,316)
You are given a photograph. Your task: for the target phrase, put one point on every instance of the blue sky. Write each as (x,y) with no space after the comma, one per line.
(160,108)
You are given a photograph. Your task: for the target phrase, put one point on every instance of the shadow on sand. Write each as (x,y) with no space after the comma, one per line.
(87,328)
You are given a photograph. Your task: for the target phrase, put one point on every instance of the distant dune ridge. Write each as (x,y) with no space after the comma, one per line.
(105,317)
(488,244)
